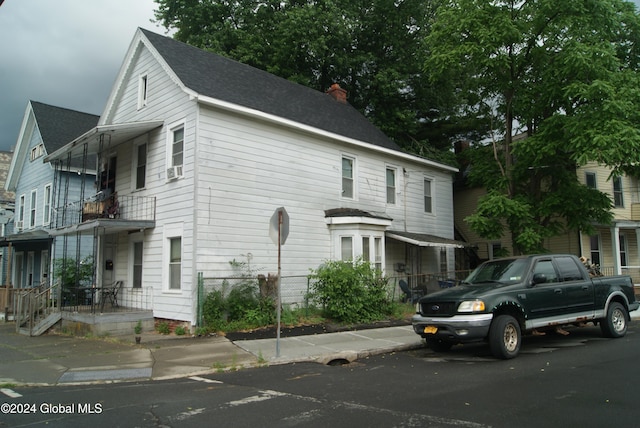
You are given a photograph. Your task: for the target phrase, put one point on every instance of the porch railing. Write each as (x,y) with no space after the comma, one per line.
(88,300)
(34,305)
(116,207)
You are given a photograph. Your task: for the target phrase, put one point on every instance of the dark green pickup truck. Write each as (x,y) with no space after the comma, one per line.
(504,298)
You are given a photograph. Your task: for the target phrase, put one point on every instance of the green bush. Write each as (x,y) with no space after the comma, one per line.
(351,292)
(163,328)
(180,331)
(241,308)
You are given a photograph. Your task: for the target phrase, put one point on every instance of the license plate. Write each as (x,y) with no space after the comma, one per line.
(430,329)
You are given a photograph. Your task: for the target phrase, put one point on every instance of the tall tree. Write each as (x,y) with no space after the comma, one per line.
(563,74)
(372,48)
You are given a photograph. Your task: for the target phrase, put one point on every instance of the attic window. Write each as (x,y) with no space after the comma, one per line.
(37,151)
(142,91)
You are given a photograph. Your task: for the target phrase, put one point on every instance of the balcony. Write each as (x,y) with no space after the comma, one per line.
(115,213)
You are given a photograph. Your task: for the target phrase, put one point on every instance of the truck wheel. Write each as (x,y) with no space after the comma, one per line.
(615,324)
(505,337)
(438,345)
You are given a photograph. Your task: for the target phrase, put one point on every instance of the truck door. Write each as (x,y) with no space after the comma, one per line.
(577,286)
(545,299)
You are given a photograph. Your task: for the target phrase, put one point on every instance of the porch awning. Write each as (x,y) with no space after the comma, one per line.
(29,237)
(110,135)
(424,240)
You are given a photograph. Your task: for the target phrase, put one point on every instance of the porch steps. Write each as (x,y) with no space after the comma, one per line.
(43,325)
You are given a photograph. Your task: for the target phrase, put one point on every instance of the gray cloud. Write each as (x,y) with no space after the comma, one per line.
(64,52)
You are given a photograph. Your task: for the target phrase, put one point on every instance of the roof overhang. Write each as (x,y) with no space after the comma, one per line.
(105,135)
(31,237)
(424,240)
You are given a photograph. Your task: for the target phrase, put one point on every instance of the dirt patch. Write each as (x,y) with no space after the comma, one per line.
(304,330)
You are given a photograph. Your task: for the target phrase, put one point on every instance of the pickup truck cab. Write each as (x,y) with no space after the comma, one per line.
(505,298)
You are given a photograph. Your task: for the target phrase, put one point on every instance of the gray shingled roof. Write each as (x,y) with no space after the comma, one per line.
(224,79)
(58,126)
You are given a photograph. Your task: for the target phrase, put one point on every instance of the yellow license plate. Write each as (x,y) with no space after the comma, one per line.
(430,329)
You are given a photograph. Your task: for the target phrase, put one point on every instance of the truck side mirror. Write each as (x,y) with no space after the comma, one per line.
(539,278)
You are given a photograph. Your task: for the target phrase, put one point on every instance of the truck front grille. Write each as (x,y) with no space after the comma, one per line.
(438,309)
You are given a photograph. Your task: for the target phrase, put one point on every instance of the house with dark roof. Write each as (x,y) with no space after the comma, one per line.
(196,152)
(37,188)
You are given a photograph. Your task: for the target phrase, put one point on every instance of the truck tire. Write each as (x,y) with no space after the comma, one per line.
(505,337)
(616,322)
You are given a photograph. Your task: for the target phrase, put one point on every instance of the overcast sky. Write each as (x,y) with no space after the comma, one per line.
(65,53)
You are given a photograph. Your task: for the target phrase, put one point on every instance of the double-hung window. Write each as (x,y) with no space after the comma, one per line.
(175,263)
(618,200)
(33,208)
(141,165)
(46,214)
(137,264)
(428,198)
(348,177)
(391,186)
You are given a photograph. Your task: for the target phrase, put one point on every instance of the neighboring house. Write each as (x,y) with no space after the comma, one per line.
(201,150)
(7,200)
(37,186)
(615,247)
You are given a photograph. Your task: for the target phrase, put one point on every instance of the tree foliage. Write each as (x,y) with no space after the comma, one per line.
(564,75)
(374,49)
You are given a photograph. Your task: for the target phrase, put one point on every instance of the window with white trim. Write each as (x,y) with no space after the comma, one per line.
(346,248)
(623,250)
(46,208)
(377,252)
(175,263)
(391,185)
(348,185)
(177,146)
(594,241)
(143,85)
(20,221)
(366,248)
(590,180)
(428,198)
(137,264)
(32,208)
(141,165)
(618,200)
(36,152)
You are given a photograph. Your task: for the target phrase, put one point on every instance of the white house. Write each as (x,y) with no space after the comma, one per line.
(201,150)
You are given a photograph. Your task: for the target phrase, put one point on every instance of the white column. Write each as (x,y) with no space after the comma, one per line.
(615,245)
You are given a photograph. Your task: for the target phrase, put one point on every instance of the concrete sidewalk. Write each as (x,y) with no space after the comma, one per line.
(57,359)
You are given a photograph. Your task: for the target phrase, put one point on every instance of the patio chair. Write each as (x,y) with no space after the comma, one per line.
(111,294)
(410,295)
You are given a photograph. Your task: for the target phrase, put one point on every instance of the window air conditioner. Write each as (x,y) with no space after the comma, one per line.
(19,225)
(174,172)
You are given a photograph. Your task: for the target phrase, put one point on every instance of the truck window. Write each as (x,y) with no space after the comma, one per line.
(569,269)
(546,268)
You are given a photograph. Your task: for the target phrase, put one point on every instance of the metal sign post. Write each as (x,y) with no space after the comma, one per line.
(279,230)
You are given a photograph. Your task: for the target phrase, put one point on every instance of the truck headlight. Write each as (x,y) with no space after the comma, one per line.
(471,306)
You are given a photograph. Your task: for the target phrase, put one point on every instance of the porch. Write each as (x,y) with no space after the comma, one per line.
(115,212)
(78,312)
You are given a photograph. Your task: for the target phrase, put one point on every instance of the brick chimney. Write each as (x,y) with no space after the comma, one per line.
(338,93)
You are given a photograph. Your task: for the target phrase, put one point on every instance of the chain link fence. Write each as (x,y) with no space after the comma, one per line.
(294,290)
